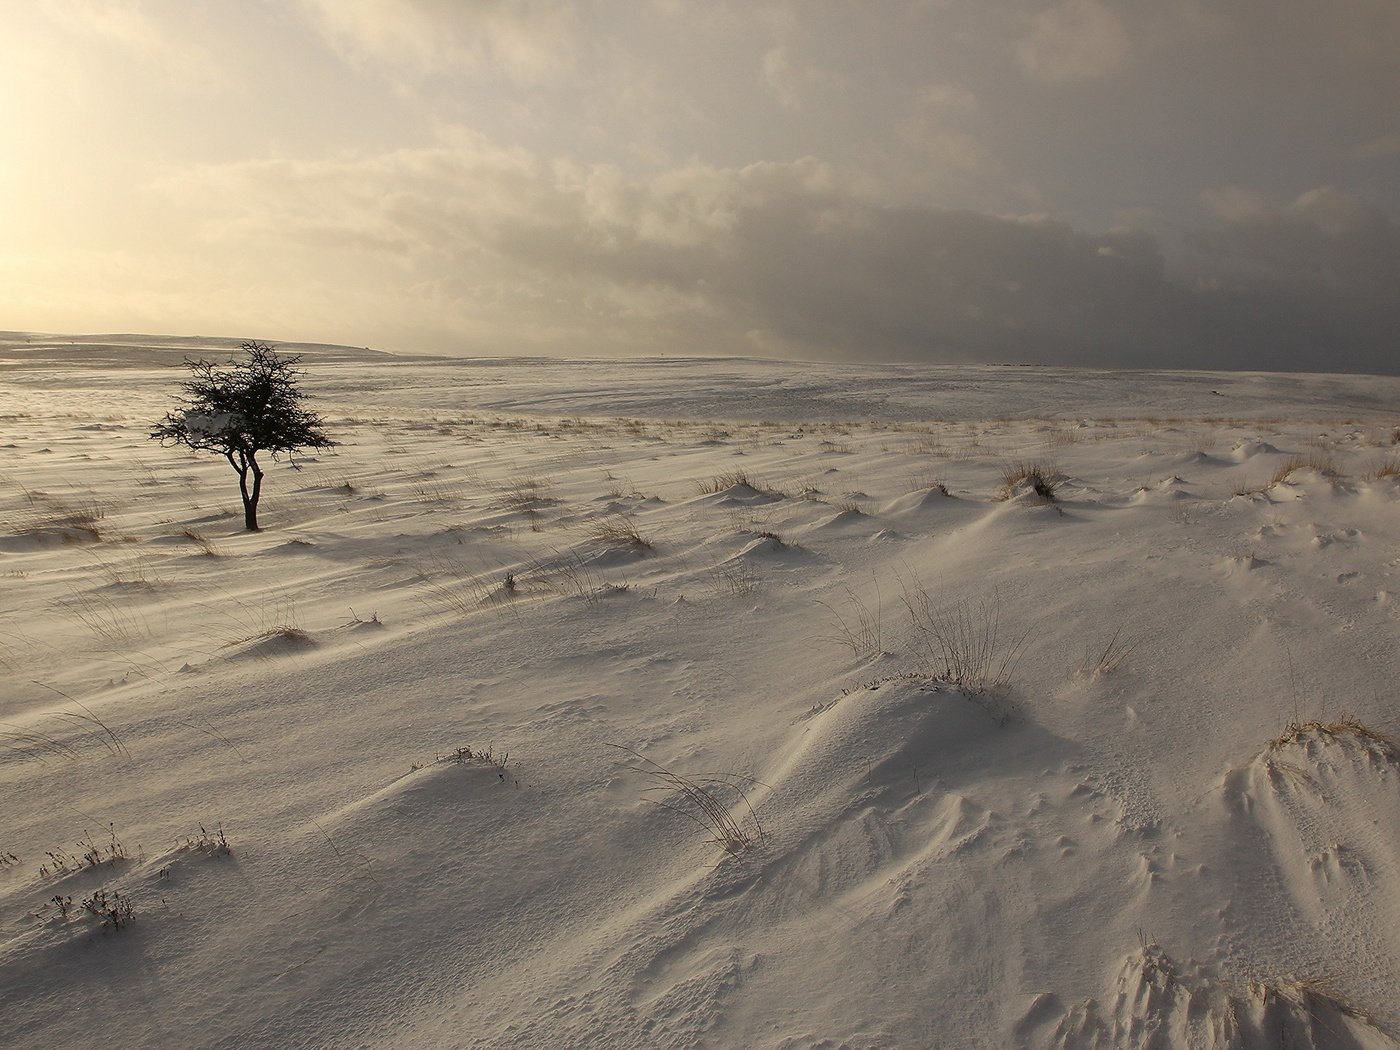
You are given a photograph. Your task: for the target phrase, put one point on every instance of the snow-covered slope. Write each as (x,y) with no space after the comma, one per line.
(427,762)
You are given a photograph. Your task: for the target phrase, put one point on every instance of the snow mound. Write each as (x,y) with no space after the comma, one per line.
(1172,487)
(767,548)
(293,546)
(1034,489)
(840,520)
(1322,801)
(921,500)
(848,830)
(271,644)
(1247,450)
(893,727)
(610,555)
(742,494)
(1193,459)
(414,805)
(51,536)
(1244,562)
(1157,1005)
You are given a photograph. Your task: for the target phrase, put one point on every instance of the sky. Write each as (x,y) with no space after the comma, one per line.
(1138,183)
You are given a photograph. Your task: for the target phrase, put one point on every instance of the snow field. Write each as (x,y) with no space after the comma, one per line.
(1161,812)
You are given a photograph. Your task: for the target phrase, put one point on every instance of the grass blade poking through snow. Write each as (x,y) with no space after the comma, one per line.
(703,802)
(863,632)
(108,738)
(964,643)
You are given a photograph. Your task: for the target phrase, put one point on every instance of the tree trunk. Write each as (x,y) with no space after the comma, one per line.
(244,464)
(250,503)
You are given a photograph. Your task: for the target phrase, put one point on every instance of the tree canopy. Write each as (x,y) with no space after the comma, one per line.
(242,409)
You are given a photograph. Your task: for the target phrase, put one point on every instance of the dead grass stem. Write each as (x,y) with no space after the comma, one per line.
(963,643)
(708,801)
(1038,475)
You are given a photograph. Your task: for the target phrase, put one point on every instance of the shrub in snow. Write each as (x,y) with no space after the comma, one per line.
(249,407)
(1038,478)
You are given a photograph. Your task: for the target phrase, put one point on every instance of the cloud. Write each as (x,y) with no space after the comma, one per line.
(530,41)
(129,28)
(791,80)
(1324,245)
(935,127)
(1381,146)
(418,201)
(1233,204)
(1075,40)
(780,76)
(120,21)
(498,247)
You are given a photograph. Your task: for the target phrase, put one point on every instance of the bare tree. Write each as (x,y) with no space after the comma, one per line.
(251,406)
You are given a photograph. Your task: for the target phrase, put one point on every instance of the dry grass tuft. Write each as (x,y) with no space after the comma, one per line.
(734,578)
(74,520)
(436,492)
(860,627)
(964,643)
(527,496)
(703,802)
(620,488)
(29,743)
(460,591)
(114,909)
(1037,475)
(130,573)
(468,756)
(927,445)
(925,481)
(780,541)
(618,530)
(1285,470)
(205,545)
(732,478)
(288,632)
(1295,732)
(572,576)
(247,624)
(1314,997)
(211,844)
(1386,468)
(115,623)
(1316,460)
(63,862)
(85,720)
(1109,658)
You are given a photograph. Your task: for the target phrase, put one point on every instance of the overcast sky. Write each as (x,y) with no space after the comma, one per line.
(1107,182)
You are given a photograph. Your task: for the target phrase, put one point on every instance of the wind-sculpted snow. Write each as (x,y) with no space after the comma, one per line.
(605,704)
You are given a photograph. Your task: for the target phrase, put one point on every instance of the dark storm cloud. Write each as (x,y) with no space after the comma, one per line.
(798,259)
(788,262)
(1174,182)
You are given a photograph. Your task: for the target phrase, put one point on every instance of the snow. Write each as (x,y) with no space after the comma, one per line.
(210,425)
(1175,824)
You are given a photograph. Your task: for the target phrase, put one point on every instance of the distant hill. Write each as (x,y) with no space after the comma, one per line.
(123,350)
